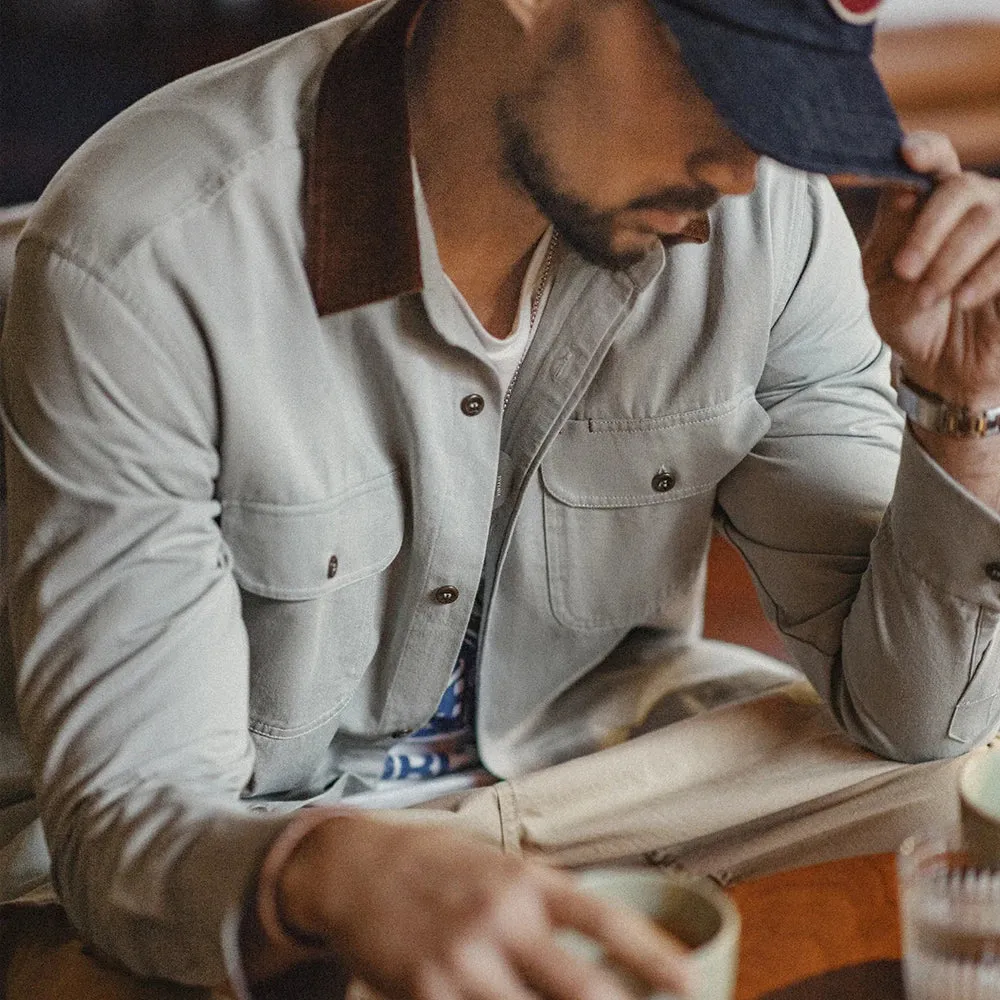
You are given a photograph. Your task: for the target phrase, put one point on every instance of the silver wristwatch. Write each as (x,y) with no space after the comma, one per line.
(928,410)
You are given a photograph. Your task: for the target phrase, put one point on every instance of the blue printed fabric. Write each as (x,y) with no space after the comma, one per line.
(447,744)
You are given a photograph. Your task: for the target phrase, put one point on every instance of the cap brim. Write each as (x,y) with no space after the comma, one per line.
(815,109)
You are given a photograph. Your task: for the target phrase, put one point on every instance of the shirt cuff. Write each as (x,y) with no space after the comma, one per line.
(943,532)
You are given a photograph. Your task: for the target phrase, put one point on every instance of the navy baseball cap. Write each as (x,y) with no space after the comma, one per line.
(795,80)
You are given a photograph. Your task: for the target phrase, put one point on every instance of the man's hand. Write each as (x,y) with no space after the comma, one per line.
(932,266)
(424,914)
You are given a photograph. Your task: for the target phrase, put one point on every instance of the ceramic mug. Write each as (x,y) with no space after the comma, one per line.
(692,909)
(979,801)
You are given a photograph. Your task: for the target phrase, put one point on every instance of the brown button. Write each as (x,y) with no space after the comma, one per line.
(663,482)
(473,404)
(993,571)
(331,567)
(446,595)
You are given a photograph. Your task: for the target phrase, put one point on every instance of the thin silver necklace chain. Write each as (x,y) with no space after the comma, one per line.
(536,300)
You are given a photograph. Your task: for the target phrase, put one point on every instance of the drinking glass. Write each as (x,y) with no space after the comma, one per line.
(950,914)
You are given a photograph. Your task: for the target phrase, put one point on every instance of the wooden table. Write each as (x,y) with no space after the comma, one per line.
(801,923)
(945,77)
(796,924)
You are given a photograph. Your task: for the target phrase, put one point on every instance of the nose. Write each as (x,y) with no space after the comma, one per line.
(731,169)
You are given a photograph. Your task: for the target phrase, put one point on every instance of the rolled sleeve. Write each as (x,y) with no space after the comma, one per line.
(926,620)
(943,532)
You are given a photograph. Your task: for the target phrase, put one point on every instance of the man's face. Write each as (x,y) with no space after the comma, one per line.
(609,134)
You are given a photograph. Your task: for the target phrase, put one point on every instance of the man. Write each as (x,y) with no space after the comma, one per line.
(267,440)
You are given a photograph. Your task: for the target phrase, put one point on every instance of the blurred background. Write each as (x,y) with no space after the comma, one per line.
(67,66)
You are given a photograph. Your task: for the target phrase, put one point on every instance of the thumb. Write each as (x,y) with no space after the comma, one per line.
(895,213)
(928,153)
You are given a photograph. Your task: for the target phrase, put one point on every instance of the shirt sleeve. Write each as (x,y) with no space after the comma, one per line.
(872,562)
(131,655)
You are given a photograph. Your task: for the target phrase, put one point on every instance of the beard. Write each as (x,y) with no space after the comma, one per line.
(588,231)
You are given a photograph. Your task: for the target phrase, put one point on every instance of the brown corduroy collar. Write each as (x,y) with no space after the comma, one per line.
(360,218)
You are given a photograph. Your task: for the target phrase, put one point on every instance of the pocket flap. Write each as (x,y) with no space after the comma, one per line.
(295,552)
(635,463)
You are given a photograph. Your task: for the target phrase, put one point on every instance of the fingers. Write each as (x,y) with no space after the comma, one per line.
(939,216)
(628,937)
(422,916)
(892,250)
(947,246)
(982,285)
(963,257)
(526,960)
(477,971)
(931,153)
(965,197)
(952,240)
(559,975)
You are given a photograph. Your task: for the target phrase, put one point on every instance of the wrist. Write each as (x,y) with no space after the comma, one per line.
(271,942)
(971,462)
(308,904)
(932,413)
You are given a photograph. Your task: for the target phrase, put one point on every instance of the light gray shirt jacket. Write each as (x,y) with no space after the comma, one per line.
(231,511)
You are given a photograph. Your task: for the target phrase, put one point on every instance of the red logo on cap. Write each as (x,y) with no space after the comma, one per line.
(856,11)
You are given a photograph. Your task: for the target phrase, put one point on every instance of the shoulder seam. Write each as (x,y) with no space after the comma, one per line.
(201,197)
(64,254)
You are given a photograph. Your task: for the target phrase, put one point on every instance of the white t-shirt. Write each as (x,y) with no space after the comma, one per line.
(505,354)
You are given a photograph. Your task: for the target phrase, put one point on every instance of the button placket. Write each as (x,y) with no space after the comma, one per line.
(442,612)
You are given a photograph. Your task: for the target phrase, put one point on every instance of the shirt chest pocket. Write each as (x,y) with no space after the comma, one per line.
(314,585)
(627,511)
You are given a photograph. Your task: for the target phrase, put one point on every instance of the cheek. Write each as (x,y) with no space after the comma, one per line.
(608,160)
(608,140)
(615,113)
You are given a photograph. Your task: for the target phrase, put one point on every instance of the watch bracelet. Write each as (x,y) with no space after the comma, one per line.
(930,411)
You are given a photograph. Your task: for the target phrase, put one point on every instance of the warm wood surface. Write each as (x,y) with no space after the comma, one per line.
(806,921)
(796,924)
(940,65)
(732,611)
(946,78)
(974,131)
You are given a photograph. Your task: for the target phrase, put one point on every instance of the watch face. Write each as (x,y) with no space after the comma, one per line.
(856,11)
